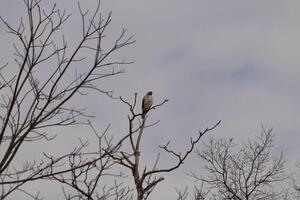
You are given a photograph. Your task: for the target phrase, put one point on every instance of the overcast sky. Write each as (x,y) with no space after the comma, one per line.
(235,61)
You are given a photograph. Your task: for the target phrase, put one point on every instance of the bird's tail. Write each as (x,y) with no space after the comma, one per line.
(143,115)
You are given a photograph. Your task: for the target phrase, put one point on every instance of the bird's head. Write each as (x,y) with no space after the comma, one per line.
(149,93)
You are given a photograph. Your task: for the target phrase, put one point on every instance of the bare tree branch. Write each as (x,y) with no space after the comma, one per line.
(32,102)
(147,179)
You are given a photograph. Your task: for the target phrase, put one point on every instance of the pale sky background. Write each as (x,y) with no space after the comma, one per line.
(235,61)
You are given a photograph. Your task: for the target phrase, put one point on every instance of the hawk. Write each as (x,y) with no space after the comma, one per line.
(147,103)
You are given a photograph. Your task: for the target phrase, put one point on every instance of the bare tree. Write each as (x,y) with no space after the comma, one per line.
(37,92)
(253,171)
(38,88)
(146,178)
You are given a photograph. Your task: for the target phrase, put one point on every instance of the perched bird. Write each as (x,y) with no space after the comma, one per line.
(147,103)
